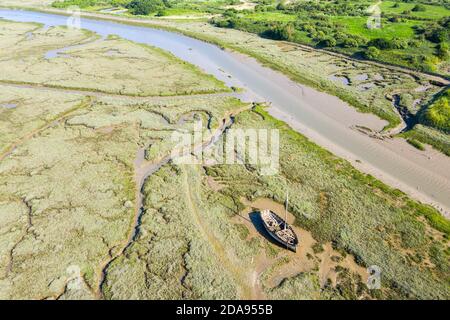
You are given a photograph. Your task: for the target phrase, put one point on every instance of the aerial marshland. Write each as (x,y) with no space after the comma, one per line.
(92,204)
(217,252)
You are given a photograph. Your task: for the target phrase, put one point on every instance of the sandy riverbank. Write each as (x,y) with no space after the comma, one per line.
(424,175)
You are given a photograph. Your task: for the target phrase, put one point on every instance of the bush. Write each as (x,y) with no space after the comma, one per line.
(380,43)
(144,7)
(397,43)
(327,42)
(438,114)
(419,8)
(372,53)
(350,43)
(442,51)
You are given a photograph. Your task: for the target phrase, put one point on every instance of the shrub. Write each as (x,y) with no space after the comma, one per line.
(281,6)
(397,43)
(380,43)
(371,53)
(327,42)
(350,43)
(144,7)
(438,114)
(436,34)
(442,51)
(416,144)
(419,8)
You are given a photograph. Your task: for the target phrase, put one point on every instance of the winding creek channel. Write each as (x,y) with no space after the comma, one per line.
(324,119)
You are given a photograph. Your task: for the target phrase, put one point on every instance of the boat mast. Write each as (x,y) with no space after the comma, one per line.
(285,210)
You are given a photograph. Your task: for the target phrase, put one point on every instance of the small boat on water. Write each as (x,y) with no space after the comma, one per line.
(279,229)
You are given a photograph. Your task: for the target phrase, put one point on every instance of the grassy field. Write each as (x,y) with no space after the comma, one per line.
(431,12)
(357,26)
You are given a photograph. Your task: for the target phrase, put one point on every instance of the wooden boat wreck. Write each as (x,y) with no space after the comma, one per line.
(279,230)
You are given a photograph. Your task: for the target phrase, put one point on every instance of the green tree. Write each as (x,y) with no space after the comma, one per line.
(144,7)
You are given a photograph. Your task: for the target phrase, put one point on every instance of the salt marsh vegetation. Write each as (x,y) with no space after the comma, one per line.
(33,110)
(333,73)
(372,92)
(138,70)
(69,188)
(198,238)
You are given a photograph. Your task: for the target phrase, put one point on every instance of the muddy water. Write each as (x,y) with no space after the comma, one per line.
(60,52)
(321,117)
(9,105)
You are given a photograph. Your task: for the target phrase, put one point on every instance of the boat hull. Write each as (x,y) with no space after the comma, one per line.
(292,247)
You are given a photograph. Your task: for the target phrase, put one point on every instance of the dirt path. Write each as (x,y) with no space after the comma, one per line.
(241,275)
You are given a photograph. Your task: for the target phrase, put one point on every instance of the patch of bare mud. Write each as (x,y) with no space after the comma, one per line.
(274,264)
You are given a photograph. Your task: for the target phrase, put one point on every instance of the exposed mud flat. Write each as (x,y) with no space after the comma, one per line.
(422,172)
(272,269)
